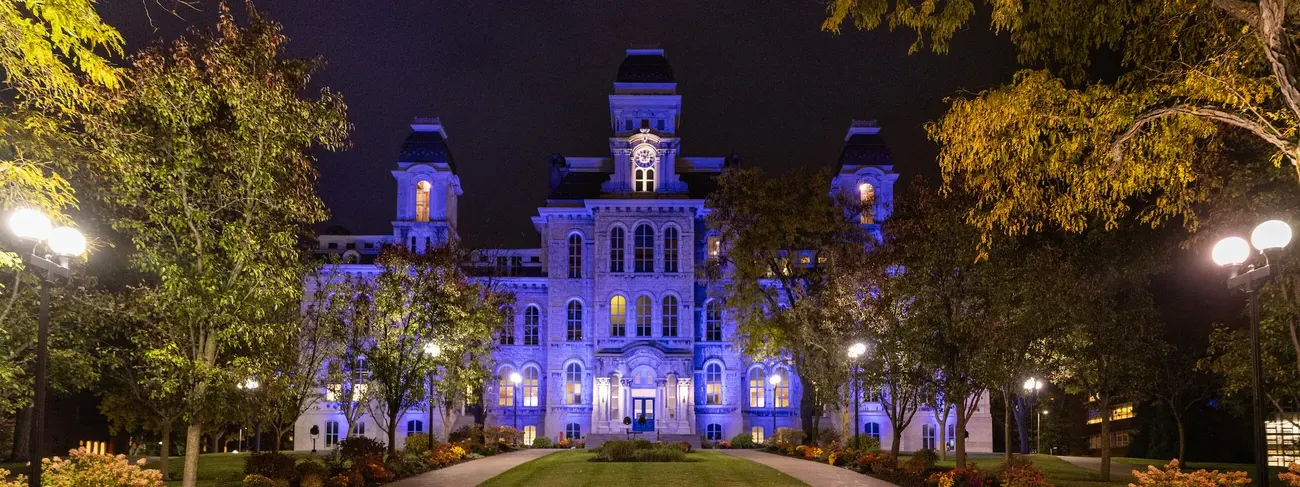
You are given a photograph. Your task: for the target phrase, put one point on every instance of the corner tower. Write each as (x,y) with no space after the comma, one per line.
(427,188)
(644,114)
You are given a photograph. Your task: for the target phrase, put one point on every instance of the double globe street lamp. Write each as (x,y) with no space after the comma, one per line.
(1032,386)
(50,250)
(1249,271)
(855,352)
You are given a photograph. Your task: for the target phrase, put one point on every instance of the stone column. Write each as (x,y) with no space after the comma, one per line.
(660,397)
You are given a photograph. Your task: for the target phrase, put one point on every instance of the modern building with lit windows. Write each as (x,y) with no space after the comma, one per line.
(612,321)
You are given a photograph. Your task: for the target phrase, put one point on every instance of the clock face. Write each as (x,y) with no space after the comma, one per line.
(645,156)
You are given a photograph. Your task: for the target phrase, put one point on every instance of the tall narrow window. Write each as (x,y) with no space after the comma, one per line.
(713,246)
(573,384)
(617,316)
(713,321)
(532,325)
(575,256)
(645,180)
(573,329)
(927,436)
(669,318)
(713,384)
(872,430)
(530,434)
(331,433)
(756,433)
(531,379)
(757,392)
(643,316)
(670,249)
(505,388)
(867,200)
(616,249)
(508,334)
(643,250)
(781,393)
(422,201)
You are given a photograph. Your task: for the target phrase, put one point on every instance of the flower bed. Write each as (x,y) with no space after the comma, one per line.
(641,451)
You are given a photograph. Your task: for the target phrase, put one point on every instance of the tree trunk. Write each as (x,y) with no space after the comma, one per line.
(898,439)
(1006,422)
(193,442)
(961,433)
(164,451)
(392,432)
(22,434)
(806,396)
(278,431)
(1104,474)
(1182,434)
(1022,424)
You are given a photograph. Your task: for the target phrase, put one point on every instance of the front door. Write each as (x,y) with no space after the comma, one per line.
(643,414)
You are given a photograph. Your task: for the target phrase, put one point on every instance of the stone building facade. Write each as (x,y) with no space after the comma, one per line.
(612,322)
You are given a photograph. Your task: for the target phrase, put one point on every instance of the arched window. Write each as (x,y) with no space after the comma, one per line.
(713,432)
(645,180)
(422,201)
(573,431)
(867,200)
(670,249)
(643,315)
(713,321)
(617,316)
(530,434)
(414,427)
(532,325)
(573,328)
(531,379)
(713,384)
(927,436)
(781,393)
(669,318)
(573,384)
(505,388)
(643,250)
(616,249)
(575,256)
(872,430)
(757,391)
(757,434)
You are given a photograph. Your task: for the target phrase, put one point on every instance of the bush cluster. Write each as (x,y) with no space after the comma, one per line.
(272,466)
(742,440)
(543,442)
(641,451)
(85,468)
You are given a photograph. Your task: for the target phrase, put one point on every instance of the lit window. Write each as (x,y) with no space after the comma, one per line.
(532,325)
(531,379)
(713,384)
(414,427)
(530,434)
(617,316)
(573,384)
(713,321)
(643,250)
(645,180)
(573,327)
(505,389)
(781,393)
(331,433)
(670,249)
(927,436)
(575,256)
(757,434)
(670,316)
(572,431)
(867,201)
(713,432)
(757,394)
(872,430)
(616,249)
(643,316)
(422,201)
(714,247)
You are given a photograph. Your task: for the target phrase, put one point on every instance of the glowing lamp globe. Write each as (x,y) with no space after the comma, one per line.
(432,349)
(30,224)
(1272,234)
(249,384)
(515,378)
(1231,251)
(66,241)
(774,379)
(858,349)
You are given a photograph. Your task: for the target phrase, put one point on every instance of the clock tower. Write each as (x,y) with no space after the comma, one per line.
(644,113)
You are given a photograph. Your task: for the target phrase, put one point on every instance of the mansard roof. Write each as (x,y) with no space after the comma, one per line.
(645,66)
(427,146)
(865,149)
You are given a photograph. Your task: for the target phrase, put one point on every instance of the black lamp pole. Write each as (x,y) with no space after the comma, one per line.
(857,408)
(53,270)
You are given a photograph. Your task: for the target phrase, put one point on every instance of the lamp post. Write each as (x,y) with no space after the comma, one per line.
(1038,435)
(431,350)
(35,232)
(516,379)
(857,350)
(1032,386)
(775,379)
(251,386)
(1249,271)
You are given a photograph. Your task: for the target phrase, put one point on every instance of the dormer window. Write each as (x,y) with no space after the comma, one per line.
(422,201)
(867,200)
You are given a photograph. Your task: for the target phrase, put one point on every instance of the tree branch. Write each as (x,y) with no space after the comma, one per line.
(1244,11)
(1215,114)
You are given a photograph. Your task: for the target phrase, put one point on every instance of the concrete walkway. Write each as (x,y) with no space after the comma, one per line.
(816,474)
(1117,470)
(473,472)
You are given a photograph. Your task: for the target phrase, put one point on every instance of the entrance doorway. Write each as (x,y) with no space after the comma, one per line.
(643,414)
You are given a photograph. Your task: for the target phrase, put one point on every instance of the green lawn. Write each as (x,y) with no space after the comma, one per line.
(214,468)
(706,468)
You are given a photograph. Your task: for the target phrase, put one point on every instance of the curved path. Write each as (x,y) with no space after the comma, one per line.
(812,473)
(473,472)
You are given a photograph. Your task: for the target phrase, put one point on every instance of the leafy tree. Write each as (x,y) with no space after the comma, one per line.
(894,370)
(1181,384)
(209,172)
(1056,149)
(791,279)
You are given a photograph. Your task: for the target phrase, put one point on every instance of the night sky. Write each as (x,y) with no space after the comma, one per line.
(515,84)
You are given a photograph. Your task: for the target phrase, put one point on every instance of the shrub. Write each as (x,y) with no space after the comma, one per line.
(355,447)
(958,477)
(1171,476)
(641,451)
(255,480)
(274,466)
(446,454)
(826,436)
(642,444)
(416,443)
(670,454)
(865,442)
(473,456)
(18,481)
(617,451)
(503,434)
(1020,472)
(1291,476)
(926,456)
(372,469)
(876,463)
(472,433)
(686,447)
(786,438)
(742,440)
(85,468)
(312,473)
(542,442)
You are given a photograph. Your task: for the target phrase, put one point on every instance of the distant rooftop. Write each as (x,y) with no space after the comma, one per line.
(427,143)
(645,66)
